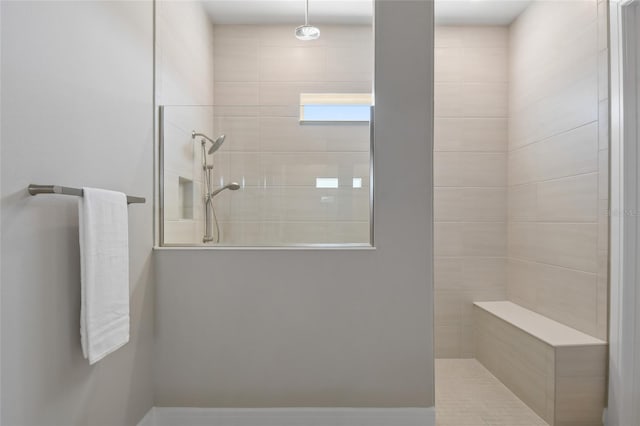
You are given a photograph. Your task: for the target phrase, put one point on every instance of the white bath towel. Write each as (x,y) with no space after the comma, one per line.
(104,259)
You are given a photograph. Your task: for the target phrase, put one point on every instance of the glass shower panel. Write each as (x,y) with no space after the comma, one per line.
(275,180)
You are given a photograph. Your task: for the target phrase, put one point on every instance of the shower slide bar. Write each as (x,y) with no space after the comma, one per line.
(65,190)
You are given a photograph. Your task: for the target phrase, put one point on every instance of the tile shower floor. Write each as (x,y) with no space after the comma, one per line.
(467,394)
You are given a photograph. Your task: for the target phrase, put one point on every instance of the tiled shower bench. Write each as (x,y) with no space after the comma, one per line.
(559,372)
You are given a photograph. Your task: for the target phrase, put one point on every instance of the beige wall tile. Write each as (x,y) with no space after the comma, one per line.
(471,169)
(244,205)
(235,94)
(349,63)
(240,167)
(236,59)
(523,165)
(468,297)
(293,169)
(448,341)
(347,204)
(523,202)
(568,296)
(470,176)
(570,153)
(470,273)
(299,204)
(470,134)
(305,63)
(570,245)
(523,240)
(348,232)
(467,345)
(470,204)
(286,134)
(522,283)
(448,64)
(603,124)
(471,64)
(603,174)
(603,74)
(603,227)
(555,132)
(242,133)
(448,307)
(235,111)
(179,232)
(568,108)
(550,70)
(484,273)
(602,329)
(471,36)
(470,239)
(348,165)
(288,92)
(571,199)
(304,232)
(351,137)
(484,64)
(347,35)
(470,99)
(171,195)
(603,25)
(179,150)
(241,233)
(448,272)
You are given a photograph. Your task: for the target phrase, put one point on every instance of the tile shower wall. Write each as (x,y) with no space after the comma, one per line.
(259,74)
(470,160)
(184,76)
(558,163)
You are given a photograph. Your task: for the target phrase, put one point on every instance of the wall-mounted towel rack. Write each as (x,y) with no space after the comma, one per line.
(65,190)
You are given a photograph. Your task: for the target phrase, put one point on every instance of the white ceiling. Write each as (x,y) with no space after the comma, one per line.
(479,12)
(448,12)
(289,11)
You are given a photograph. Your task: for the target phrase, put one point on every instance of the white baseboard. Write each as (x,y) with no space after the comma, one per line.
(169,416)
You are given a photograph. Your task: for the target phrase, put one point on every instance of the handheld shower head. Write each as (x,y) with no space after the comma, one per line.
(234,186)
(217,144)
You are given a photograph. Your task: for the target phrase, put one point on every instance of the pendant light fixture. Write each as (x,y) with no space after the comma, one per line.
(307,32)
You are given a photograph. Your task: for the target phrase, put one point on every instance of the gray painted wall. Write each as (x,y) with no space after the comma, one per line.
(257,328)
(77,110)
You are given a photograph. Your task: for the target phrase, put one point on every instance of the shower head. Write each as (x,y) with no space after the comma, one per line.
(234,186)
(217,144)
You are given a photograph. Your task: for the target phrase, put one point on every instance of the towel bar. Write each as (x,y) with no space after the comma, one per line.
(65,190)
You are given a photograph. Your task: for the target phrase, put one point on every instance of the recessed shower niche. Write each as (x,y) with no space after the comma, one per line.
(230,104)
(185,198)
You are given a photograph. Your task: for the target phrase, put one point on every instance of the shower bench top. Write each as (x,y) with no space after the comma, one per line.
(549,331)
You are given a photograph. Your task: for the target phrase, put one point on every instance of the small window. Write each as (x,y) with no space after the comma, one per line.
(329,107)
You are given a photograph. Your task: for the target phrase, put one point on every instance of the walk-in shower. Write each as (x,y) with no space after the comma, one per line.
(210,218)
